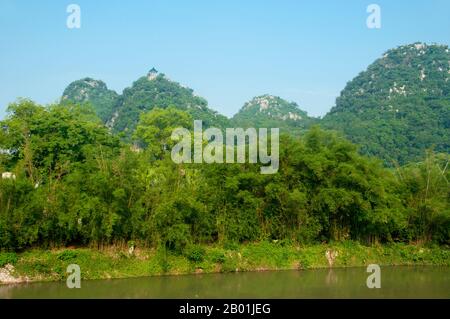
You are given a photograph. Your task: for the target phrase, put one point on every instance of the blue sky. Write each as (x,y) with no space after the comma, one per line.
(227,51)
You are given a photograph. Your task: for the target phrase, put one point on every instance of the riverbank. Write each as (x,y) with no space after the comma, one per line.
(115,262)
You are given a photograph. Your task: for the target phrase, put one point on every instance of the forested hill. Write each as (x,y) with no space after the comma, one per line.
(154,90)
(399,106)
(271,111)
(96,93)
(395,110)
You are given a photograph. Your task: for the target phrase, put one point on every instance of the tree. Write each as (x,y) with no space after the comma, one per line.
(155,129)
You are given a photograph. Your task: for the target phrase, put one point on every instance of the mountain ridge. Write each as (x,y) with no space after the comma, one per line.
(395,109)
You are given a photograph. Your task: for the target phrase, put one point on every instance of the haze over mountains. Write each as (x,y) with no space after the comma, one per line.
(396,109)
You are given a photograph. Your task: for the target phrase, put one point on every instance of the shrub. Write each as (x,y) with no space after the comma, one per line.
(67,255)
(230,264)
(8,258)
(41,268)
(217,256)
(231,245)
(195,253)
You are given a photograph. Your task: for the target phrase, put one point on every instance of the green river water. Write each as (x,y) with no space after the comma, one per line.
(396,282)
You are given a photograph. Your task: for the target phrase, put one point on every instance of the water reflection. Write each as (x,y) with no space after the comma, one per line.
(397,282)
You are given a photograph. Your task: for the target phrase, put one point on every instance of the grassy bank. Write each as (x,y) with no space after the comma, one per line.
(114,262)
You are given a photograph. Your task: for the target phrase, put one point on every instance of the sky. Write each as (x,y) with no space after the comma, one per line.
(226,51)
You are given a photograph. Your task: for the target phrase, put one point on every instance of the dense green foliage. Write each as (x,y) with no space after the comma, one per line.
(76,184)
(400,106)
(113,262)
(8,258)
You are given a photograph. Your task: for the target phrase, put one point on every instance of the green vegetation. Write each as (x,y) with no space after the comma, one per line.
(115,262)
(94,93)
(122,112)
(71,180)
(76,184)
(160,92)
(400,106)
(396,110)
(7,258)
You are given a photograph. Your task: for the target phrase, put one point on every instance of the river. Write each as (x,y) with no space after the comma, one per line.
(396,282)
